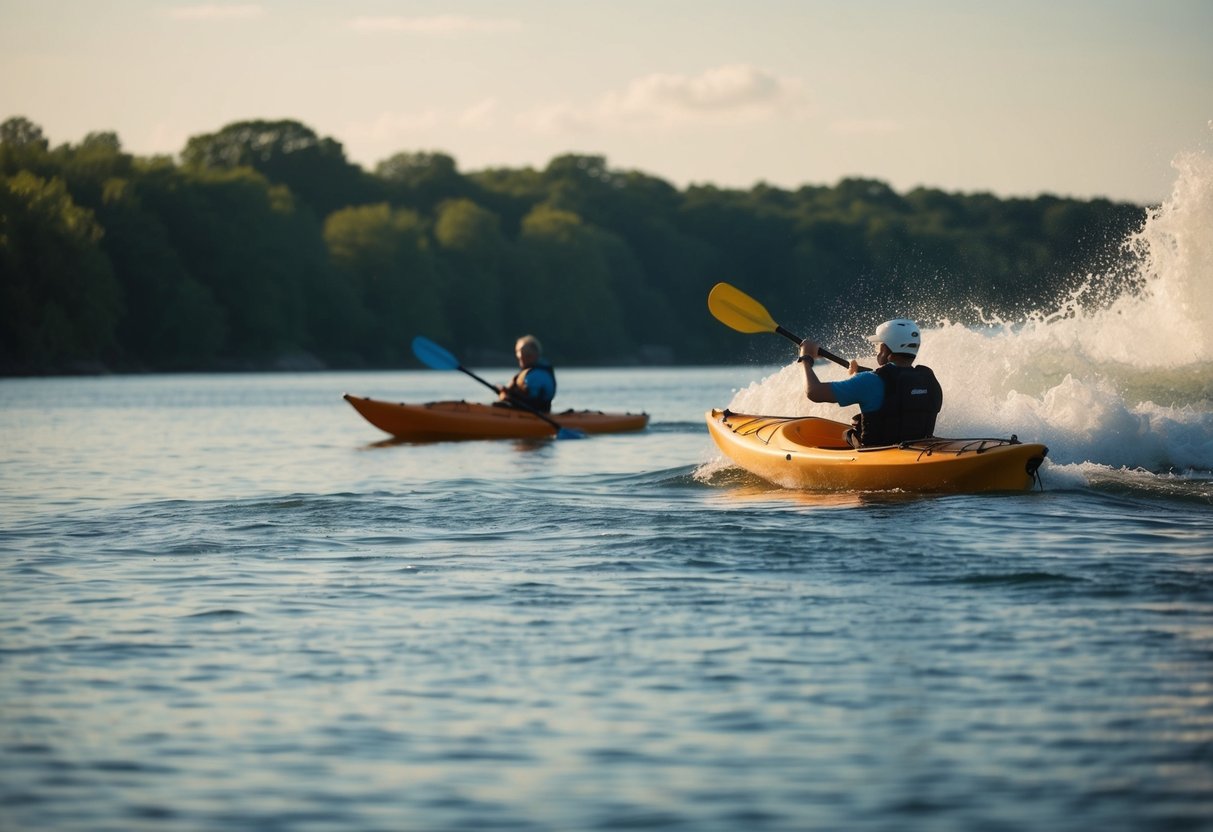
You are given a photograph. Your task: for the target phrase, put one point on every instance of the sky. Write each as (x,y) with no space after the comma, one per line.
(1081,98)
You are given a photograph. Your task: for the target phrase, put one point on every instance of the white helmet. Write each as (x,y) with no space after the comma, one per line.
(900,334)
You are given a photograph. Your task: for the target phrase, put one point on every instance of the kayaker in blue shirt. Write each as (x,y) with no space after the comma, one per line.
(534,385)
(898,402)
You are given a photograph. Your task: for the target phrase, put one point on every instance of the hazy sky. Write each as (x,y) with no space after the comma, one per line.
(1073,97)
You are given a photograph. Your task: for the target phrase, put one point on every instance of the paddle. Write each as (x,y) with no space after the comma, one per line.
(737,310)
(438,358)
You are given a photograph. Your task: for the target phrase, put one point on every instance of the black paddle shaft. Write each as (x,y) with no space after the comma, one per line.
(822,351)
(561,430)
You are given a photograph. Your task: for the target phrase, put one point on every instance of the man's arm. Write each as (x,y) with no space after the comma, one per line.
(816,389)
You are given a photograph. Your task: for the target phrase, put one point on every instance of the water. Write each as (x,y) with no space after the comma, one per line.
(226,604)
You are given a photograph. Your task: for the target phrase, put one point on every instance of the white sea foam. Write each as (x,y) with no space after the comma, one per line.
(1120,376)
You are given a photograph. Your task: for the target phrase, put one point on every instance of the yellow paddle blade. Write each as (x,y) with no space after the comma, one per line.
(737,310)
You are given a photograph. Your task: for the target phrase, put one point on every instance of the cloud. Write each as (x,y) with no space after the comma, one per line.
(726,95)
(480,116)
(556,118)
(217,12)
(865,126)
(731,94)
(723,88)
(446,24)
(390,127)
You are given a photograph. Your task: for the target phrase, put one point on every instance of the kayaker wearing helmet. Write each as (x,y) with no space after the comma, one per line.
(534,385)
(898,402)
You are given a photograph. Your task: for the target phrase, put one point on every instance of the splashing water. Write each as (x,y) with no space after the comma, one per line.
(1123,383)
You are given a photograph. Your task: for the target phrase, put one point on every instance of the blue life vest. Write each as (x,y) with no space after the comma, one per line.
(912,400)
(536,395)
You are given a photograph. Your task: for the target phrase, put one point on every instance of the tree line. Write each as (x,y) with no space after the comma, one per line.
(262,246)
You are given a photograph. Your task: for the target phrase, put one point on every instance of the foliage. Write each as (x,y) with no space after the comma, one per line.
(59,301)
(288,153)
(384,256)
(266,247)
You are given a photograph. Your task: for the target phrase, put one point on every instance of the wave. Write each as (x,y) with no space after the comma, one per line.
(1119,376)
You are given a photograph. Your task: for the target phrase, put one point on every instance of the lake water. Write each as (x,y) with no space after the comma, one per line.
(227,604)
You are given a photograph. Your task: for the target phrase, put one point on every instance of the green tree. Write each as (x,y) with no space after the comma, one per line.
(19,132)
(23,147)
(565,292)
(88,166)
(287,153)
(474,255)
(224,261)
(385,256)
(59,301)
(245,241)
(171,321)
(422,180)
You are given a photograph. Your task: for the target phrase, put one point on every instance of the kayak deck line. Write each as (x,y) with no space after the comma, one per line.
(755,425)
(937,444)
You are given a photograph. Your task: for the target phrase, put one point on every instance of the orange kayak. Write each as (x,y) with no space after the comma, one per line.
(812,453)
(438,421)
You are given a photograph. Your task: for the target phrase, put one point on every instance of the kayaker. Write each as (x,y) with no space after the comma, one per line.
(898,402)
(534,385)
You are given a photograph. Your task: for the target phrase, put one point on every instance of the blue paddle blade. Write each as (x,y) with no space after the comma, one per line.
(433,356)
(571,433)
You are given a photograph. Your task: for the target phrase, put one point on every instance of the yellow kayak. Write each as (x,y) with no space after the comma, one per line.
(812,453)
(437,421)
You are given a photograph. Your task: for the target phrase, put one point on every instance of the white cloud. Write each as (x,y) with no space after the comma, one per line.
(407,129)
(556,118)
(480,116)
(732,87)
(865,126)
(217,12)
(389,127)
(446,24)
(726,95)
(731,94)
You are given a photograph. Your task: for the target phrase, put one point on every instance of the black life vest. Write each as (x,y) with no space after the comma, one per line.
(518,394)
(912,400)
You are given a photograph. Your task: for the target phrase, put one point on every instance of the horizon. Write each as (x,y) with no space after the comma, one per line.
(1088,100)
